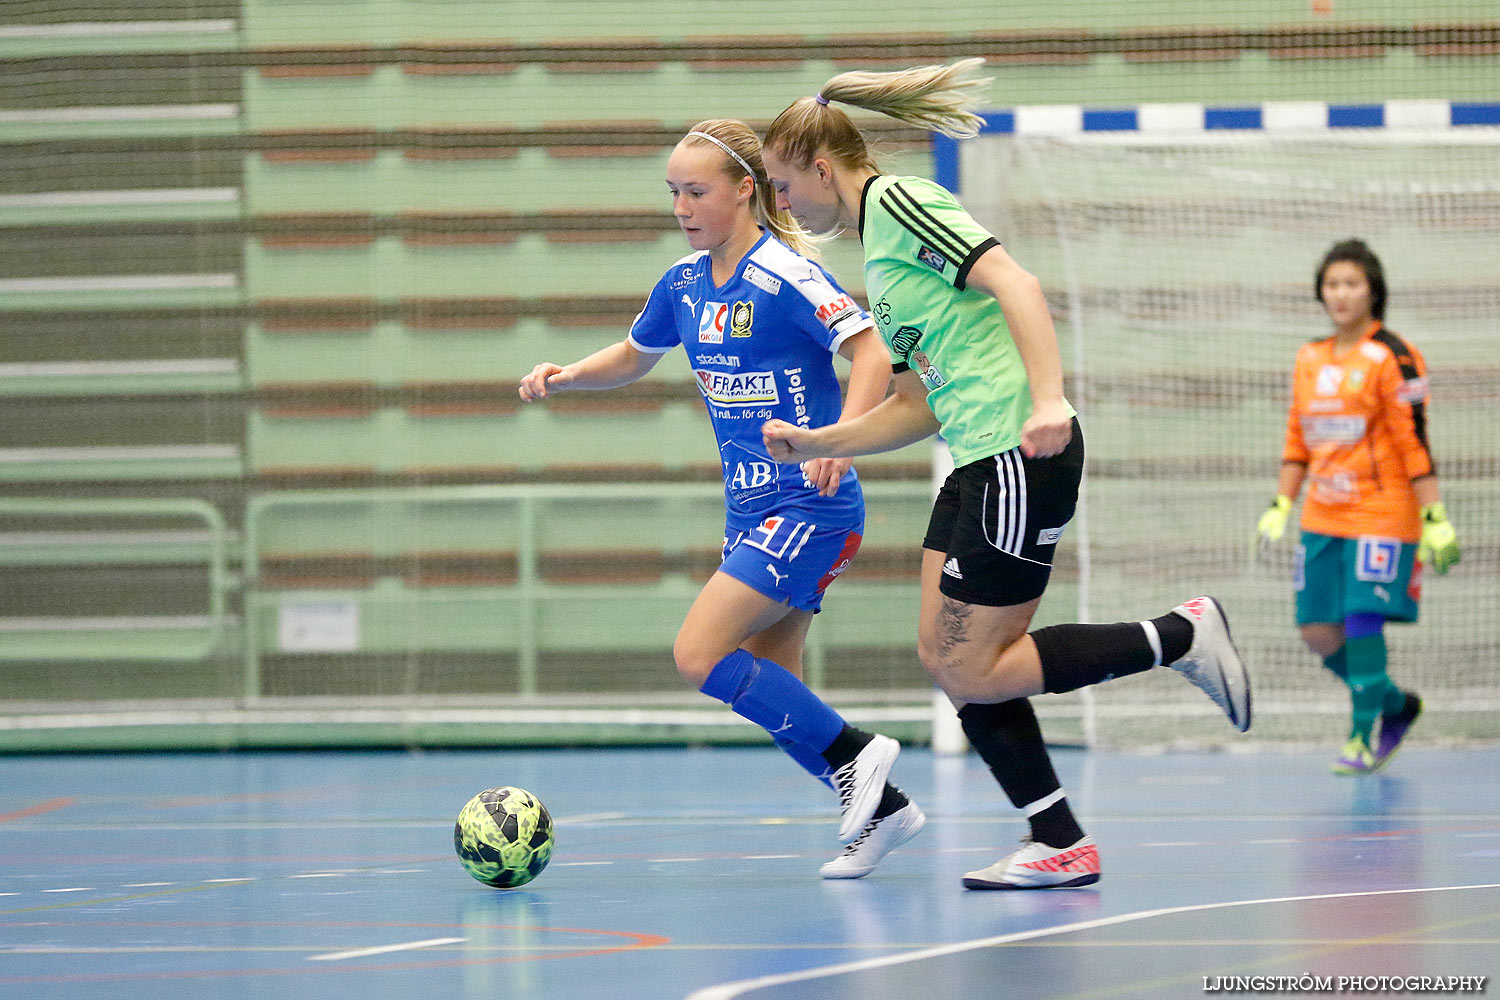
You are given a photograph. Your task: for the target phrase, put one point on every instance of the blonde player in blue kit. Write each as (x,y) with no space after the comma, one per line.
(760,322)
(976,357)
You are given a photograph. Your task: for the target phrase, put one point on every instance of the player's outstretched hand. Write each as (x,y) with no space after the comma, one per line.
(1048,430)
(787,442)
(824,474)
(544,377)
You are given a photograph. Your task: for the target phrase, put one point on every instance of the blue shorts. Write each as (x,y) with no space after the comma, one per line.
(1337,577)
(791,558)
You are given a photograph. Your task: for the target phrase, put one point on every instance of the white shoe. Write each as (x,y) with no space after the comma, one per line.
(879,838)
(1037,866)
(861,782)
(1212,663)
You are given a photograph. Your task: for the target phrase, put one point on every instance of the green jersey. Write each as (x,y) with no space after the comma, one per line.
(919,245)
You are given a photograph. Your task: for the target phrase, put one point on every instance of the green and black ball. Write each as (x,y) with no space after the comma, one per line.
(504,837)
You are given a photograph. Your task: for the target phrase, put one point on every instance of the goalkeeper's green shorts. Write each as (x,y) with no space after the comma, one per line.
(1337,577)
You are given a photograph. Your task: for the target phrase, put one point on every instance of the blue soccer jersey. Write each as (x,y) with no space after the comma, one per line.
(761,347)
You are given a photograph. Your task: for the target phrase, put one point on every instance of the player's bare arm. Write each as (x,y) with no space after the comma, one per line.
(1019,293)
(900,420)
(608,368)
(869,380)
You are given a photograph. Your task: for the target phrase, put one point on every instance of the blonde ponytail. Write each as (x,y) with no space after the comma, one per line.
(937,98)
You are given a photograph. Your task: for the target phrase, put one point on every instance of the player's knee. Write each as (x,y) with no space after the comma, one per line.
(695,659)
(945,669)
(1323,640)
(690,668)
(929,652)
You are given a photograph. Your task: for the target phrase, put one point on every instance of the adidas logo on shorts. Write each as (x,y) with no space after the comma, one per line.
(950,568)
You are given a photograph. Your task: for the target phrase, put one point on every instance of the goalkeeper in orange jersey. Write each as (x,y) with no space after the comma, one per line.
(1373,518)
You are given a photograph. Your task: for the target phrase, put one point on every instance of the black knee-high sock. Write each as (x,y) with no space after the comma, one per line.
(1008,739)
(1075,656)
(846,746)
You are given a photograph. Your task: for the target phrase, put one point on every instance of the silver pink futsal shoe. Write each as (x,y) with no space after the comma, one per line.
(1212,663)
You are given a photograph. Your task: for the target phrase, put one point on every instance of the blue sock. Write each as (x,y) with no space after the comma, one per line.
(774,699)
(811,761)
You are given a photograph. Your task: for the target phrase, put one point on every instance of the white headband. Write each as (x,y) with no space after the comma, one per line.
(736,157)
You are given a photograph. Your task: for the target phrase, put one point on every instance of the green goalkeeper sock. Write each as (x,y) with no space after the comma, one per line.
(1395,700)
(1338,665)
(1368,683)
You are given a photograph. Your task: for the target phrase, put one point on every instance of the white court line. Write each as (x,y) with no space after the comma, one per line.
(728,991)
(339,956)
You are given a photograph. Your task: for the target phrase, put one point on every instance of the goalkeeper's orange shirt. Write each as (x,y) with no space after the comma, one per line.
(1358,422)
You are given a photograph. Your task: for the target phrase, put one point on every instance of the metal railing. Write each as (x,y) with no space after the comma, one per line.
(528,592)
(117,637)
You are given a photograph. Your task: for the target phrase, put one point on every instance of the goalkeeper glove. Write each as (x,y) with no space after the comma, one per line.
(1439,545)
(1272,524)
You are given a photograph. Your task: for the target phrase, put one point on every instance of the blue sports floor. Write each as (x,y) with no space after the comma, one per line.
(693,873)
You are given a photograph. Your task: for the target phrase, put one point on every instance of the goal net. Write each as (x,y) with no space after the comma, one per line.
(1177,246)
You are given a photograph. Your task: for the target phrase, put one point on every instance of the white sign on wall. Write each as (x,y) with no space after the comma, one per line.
(326,627)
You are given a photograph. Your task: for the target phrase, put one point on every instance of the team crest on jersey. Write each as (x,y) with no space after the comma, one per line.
(931,258)
(740,318)
(711,323)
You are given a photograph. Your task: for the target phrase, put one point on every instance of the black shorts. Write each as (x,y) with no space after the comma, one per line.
(997,522)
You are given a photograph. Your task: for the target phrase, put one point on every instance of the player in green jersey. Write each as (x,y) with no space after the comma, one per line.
(976,358)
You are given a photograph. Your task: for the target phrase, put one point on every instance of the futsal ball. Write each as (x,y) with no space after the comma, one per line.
(504,837)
